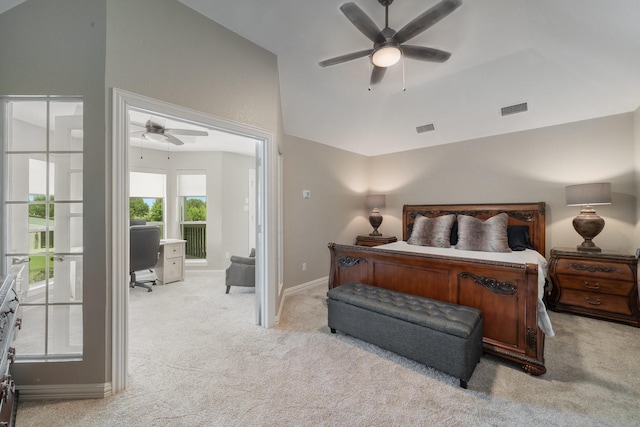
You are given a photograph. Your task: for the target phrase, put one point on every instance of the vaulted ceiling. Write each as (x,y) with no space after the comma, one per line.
(568,60)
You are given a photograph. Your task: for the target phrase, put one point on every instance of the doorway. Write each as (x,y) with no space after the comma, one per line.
(265,290)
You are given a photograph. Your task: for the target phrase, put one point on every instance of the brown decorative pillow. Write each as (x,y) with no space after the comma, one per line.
(477,235)
(432,231)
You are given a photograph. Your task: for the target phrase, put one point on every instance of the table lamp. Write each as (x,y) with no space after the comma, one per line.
(588,224)
(373,202)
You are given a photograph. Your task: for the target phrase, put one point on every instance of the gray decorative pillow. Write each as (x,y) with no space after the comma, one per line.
(432,231)
(477,235)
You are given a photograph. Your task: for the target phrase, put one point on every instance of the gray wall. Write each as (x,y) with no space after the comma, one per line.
(156,48)
(335,212)
(636,122)
(46,51)
(526,166)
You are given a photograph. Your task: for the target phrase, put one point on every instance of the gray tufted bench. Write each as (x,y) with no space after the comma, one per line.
(442,335)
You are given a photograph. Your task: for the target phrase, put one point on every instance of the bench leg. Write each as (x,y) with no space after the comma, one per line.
(463,384)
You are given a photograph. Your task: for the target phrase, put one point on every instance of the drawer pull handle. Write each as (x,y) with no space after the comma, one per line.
(596,302)
(590,286)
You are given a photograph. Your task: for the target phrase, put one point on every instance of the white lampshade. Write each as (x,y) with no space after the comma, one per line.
(589,194)
(386,57)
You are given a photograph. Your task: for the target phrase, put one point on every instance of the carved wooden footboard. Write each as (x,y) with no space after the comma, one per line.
(507,293)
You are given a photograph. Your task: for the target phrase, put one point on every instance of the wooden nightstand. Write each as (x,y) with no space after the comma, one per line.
(602,285)
(374,240)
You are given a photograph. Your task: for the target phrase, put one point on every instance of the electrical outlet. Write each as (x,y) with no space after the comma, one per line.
(306,194)
(226,255)
(304,266)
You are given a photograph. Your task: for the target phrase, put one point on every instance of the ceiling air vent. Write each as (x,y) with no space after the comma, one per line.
(514,109)
(425,128)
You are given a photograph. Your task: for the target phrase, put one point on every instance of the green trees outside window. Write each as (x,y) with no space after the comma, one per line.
(139,209)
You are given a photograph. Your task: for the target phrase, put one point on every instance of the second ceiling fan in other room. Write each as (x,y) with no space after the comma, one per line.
(155,131)
(388,45)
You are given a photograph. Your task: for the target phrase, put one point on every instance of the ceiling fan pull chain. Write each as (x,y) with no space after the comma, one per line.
(404,84)
(368,74)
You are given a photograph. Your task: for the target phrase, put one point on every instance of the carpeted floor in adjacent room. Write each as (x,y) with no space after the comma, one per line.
(197,359)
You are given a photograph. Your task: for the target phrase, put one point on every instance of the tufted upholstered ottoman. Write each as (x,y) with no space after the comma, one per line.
(442,335)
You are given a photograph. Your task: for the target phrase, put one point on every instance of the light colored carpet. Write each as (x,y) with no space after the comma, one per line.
(197,359)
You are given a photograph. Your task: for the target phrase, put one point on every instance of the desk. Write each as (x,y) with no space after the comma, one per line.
(170,267)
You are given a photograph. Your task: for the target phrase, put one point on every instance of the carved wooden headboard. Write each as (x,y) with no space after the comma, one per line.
(529,214)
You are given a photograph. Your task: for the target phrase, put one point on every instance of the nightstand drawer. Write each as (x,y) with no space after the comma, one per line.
(594,284)
(593,269)
(595,301)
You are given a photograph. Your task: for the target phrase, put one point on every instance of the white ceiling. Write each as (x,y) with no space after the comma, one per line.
(569,60)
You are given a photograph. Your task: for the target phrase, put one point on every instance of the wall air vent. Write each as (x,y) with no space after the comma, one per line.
(425,128)
(514,109)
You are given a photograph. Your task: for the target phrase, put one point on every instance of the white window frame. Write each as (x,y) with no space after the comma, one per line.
(74,352)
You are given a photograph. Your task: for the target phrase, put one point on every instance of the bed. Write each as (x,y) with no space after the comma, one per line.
(507,286)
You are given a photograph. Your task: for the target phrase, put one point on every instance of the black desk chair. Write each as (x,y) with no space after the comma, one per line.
(144,244)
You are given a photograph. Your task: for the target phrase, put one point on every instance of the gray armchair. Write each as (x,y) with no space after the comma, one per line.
(242,271)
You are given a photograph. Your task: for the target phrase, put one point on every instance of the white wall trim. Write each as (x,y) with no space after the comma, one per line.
(64,391)
(299,288)
(119,236)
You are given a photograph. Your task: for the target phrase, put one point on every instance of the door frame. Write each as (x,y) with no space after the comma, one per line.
(119,239)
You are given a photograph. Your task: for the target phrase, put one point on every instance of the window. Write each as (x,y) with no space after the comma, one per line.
(43,242)
(146,197)
(192,196)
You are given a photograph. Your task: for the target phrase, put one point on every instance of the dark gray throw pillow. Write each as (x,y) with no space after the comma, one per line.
(432,231)
(477,235)
(518,236)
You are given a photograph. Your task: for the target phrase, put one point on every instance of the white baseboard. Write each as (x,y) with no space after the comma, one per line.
(64,391)
(299,288)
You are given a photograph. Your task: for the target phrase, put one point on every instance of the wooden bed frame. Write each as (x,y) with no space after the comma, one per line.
(507,293)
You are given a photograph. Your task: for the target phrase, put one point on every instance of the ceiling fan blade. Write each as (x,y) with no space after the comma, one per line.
(188,132)
(172,139)
(425,53)
(345,58)
(426,20)
(362,22)
(377,74)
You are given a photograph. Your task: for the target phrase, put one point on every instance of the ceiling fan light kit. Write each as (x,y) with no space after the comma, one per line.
(388,46)
(386,56)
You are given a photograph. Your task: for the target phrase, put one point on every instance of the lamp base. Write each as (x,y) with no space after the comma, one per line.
(588,225)
(375,219)
(588,246)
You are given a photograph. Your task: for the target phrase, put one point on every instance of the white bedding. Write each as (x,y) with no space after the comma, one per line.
(517,257)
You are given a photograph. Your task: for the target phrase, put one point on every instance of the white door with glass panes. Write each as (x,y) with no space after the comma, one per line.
(43,246)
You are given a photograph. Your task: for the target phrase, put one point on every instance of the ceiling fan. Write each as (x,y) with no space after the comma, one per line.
(155,131)
(388,45)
